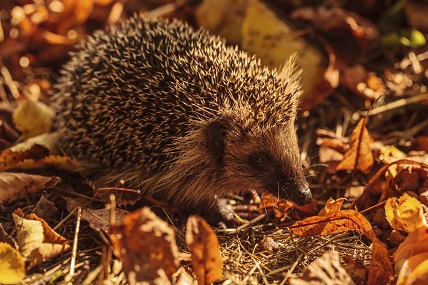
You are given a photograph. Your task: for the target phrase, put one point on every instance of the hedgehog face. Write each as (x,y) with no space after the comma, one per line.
(264,160)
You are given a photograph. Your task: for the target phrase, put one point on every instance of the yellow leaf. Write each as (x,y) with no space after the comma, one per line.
(273,41)
(404,213)
(33,118)
(12,265)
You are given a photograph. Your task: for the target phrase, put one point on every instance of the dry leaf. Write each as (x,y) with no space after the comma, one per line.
(405,213)
(332,206)
(34,158)
(326,269)
(380,267)
(97,219)
(274,41)
(146,246)
(33,118)
(359,156)
(14,186)
(204,247)
(37,241)
(223,17)
(12,265)
(369,196)
(411,258)
(280,207)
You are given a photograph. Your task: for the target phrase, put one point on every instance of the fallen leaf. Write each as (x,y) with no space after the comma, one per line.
(332,206)
(204,247)
(34,158)
(37,241)
(223,17)
(12,265)
(359,156)
(380,270)
(97,219)
(270,203)
(273,41)
(14,186)
(405,213)
(411,258)
(370,197)
(326,269)
(146,246)
(33,118)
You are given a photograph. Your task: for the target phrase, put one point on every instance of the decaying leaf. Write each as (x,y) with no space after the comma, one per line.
(33,118)
(37,156)
(326,269)
(204,247)
(14,186)
(37,241)
(146,246)
(97,219)
(380,267)
(359,156)
(405,213)
(12,265)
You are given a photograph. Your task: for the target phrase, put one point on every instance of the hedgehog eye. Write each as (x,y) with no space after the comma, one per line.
(258,160)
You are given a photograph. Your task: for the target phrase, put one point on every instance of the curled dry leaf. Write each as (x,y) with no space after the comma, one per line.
(279,207)
(12,265)
(359,156)
(411,258)
(332,206)
(380,270)
(37,241)
(146,246)
(14,186)
(405,213)
(326,269)
(204,248)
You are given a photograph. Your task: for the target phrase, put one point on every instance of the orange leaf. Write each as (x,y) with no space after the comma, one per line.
(146,246)
(359,156)
(204,247)
(380,267)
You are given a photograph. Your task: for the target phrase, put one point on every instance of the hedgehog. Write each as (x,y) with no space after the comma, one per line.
(178,114)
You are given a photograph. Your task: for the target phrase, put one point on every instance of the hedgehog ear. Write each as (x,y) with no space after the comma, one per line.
(216,132)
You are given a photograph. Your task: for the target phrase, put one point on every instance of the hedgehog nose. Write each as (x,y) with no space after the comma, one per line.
(303,197)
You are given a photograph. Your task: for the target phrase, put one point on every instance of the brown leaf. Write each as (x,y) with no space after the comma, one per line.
(370,197)
(14,186)
(204,247)
(279,207)
(35,157)
(326,269)
(97,219)
(146,246)
(380,267)
(359,156)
